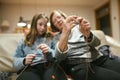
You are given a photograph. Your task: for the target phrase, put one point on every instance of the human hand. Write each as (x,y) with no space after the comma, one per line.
(69,23)
(84,26)
(44,48)
(29,58)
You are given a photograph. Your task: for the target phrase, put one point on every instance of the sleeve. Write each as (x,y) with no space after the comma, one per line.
(59,54)
(95,41)
(18,56)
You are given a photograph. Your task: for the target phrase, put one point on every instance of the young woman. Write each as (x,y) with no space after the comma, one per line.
(34,54)
(76,49)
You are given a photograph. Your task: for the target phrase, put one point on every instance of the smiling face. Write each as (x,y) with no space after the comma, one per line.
(58,20)
(42,26)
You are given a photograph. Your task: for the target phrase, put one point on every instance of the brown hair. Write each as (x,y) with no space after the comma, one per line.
(33,33)
(54,29)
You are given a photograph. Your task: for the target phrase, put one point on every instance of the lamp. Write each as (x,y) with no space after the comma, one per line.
(5,23)
(21,22)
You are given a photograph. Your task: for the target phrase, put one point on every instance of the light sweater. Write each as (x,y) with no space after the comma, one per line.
(22,50)
(77,47)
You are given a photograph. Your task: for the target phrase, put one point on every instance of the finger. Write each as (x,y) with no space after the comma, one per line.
(84,23)
(87,26)
(31,54)
(42,46)
(30,57)
(74,18)
(45,50)
(71,18)
(73,25)
(39,46)
(28,61)
(83,20)
(79,19)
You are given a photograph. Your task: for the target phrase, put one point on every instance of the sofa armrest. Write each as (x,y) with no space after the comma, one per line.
(107,40)
(112,41)
(8,45)
(6,63)
(114,45)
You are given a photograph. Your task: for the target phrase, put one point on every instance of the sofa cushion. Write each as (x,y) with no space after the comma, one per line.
(114,45)
(8,44)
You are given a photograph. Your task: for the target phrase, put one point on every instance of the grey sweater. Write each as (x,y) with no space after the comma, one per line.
(78,48)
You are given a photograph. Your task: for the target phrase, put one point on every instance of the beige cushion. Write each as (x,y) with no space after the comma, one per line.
(114,45)
(8,44)
(107,40)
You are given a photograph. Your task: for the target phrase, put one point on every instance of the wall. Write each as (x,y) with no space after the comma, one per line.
(12,12)
(119,15)
(115,19)
(115,25)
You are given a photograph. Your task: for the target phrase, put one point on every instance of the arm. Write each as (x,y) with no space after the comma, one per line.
(93,40)
(62,46)
(68,25)
(18,57)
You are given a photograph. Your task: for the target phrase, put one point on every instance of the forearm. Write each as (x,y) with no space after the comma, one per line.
(63,42)
(59,54)
(18,63)
(94,41)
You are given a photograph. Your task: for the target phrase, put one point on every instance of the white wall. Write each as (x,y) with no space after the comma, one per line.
(115,19)
(115,25)
(12,12)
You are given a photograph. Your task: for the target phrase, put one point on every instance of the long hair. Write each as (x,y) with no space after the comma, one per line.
(54,29)
(33,33)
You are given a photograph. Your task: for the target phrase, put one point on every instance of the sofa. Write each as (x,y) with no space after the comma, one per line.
(9,42)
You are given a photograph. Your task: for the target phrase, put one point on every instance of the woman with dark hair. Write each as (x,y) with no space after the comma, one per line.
(34,54)
(75,50)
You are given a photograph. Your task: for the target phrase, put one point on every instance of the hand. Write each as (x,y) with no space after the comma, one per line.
(84,26)
(69,23)
(44,48)
(29,58)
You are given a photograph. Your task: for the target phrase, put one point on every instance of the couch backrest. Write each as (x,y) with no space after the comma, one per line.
(8,44)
